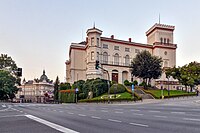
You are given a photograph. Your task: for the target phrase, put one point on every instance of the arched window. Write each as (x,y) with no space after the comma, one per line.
(127,60)
(168,40)
(105,57)
(116,59)
(92,55)
(161,40)
(164,40)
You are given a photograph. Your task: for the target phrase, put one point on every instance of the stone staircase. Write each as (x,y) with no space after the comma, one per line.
(142,94)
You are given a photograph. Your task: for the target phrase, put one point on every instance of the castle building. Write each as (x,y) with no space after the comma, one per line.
(115,55)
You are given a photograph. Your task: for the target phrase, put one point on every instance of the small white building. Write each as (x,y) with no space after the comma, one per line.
(37,90)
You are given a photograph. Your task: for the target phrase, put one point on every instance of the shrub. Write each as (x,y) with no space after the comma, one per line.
(126,83)
(135,82)
(117,88)
(142,84)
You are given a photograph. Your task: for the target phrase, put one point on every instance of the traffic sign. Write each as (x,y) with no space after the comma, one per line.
(132,87)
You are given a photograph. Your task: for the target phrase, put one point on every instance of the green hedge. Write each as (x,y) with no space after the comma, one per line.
(117,88)
(67,97)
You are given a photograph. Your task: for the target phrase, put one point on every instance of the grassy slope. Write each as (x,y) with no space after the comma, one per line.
(157,93)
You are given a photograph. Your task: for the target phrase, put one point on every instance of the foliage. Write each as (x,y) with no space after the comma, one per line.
(126,83)
(67,97)
(117,88)
(7,85)
(78,84)
(8,77)
(135,82)
(56,89)
(146,66)
(65,86)
(97,86)
(125,99)
(173,93)
(188,75)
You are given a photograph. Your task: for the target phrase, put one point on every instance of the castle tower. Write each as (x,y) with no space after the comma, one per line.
(93,52)
(160,33)
(161,37)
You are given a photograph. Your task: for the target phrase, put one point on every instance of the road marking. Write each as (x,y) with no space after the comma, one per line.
(52,125)
(154,111)
(104,108)
(178,112)
(159,116)
(3,106)
(118,109)
(104,111)
(137,124)
(81,115)
(190,119)
(137,114)
(113,120)
(60,111)
(95,117)
(70,113)
(21,111)
(10,116)
(119,112)
(135,110)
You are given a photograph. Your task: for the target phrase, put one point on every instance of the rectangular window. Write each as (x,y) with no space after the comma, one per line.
(116,48)
(105,46)
(92,41)
(127,49)
(137,51)
(97,42)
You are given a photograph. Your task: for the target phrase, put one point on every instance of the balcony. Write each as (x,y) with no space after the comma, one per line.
(112,63)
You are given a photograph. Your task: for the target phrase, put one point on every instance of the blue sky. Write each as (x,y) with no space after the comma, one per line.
(37,33)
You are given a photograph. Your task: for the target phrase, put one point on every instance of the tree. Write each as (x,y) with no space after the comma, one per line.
(187,75)
(56,89)
(65,86)
(146,66)
(9,78)
(8,87)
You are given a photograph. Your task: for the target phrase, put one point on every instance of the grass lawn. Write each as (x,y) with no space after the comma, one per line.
(157,93)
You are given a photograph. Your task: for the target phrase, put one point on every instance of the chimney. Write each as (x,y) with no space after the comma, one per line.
(129,39)
(112,36)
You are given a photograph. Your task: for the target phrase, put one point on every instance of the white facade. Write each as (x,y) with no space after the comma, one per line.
(115,55)
(35,90)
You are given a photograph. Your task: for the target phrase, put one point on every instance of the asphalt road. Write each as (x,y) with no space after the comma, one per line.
(155,116)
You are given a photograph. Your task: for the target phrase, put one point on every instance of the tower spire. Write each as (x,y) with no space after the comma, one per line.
(94,25)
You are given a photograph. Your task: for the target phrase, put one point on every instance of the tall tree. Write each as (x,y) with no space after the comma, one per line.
(56,89)
(8,77)
(8,87)
(146,66)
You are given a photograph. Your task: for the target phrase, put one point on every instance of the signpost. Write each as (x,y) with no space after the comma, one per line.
(132,87)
